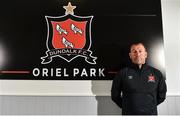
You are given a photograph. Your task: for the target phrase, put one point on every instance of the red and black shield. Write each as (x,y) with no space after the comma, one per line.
(69,37)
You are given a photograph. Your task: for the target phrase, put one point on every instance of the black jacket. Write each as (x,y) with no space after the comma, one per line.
(138,91)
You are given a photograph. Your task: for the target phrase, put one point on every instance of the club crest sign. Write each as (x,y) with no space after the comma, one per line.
(69,37)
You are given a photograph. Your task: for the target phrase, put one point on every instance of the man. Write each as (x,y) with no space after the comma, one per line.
(138,88)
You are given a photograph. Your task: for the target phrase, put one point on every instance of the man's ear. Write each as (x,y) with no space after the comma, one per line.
(146,54)
(130,55)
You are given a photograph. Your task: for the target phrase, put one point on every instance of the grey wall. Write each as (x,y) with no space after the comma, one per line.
(33,105)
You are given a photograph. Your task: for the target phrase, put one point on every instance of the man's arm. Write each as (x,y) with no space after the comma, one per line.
(116,89)
(162,89)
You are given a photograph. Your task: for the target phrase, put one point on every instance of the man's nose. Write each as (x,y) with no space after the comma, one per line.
(138,53)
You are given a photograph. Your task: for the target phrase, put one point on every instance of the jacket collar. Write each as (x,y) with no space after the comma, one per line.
(136,67)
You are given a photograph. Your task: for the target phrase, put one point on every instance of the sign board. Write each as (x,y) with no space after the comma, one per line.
(76,40)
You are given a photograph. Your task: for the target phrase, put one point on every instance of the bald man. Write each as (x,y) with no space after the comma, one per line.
(138,88)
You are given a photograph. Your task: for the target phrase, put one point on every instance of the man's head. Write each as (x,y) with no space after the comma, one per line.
(138,54)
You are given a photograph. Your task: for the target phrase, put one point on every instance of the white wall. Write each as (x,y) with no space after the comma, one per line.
(171,28)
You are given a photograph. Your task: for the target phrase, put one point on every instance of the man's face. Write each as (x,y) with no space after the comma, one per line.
(138,54)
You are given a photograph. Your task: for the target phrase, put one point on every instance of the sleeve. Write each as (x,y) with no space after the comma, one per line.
(162,89)
(116,89)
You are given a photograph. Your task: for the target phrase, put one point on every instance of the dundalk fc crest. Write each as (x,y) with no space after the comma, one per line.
(69,37)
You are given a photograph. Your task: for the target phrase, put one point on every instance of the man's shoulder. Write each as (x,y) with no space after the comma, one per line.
(154,69)
(124,69)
